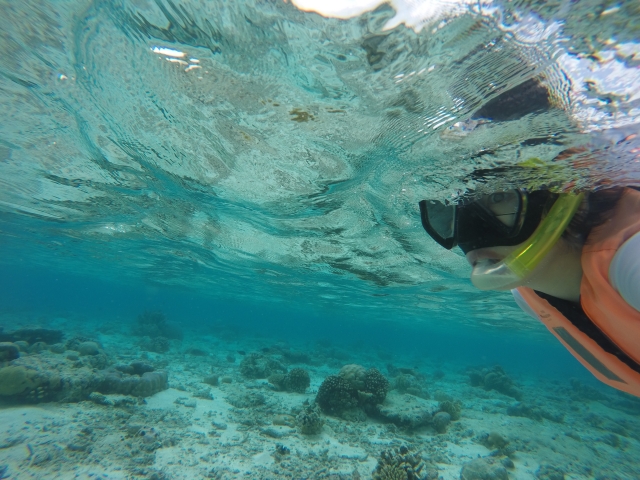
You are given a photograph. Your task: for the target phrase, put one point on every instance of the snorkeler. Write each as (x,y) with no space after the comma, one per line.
(570,260)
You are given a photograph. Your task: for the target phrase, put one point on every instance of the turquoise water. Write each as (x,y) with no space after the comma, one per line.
(38,294)
(253,172)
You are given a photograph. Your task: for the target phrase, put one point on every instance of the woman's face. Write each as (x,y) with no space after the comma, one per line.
(484,258)
(559,274)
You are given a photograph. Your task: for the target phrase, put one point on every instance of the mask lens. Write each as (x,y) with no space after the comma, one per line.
(439,220)
(442,218)
(503,206)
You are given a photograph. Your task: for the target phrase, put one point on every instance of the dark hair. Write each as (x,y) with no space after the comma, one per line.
(593,212)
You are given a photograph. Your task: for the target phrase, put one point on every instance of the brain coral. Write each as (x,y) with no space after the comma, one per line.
(17,380)
(29,384)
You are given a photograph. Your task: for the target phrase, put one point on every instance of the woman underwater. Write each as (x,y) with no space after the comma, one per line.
(571,260)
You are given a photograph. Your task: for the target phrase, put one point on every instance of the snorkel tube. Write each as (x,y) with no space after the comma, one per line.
(519,264)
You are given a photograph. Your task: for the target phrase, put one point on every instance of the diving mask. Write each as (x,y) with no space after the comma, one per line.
(514,217)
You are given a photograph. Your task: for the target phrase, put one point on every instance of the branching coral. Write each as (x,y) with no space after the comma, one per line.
(400,464)
(391,472)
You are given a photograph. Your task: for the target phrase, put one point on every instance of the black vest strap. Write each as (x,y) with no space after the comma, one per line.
(575,314)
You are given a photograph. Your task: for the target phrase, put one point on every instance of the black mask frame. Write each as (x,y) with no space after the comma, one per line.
(473,227)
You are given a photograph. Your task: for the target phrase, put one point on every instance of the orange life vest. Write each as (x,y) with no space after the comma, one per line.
(606,339)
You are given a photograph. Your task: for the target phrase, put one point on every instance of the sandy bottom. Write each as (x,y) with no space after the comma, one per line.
(179,433)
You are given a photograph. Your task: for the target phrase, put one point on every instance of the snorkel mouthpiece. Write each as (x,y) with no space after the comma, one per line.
(488,275)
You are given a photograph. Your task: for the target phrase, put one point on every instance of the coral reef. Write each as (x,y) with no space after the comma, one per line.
(57,348)
(134,368)
(483,469)
(32,335)
(397,371)
(32,383)
(354,375)
(353,388)
(8,351)
(154,324)
(155,344)
(277,380)
(401,464)
(246,399)
(407,383)
(309,421)
(38,347)
(375,384)
(36,379)
(441,421)
(391,472)
(17,380)
(91,351)
(406,411)
(495,379)
(112,400)
(291,356)
(88,348)
(499,445)
(495,440)
(137,379)
(335,395)
(284,420)
(453,408)
(297,380)
(280,452)
(549,472)
(196,352)
(534,413)
(257,365)
(203,393)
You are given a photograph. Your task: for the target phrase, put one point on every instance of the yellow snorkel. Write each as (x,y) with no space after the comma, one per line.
(520,263)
